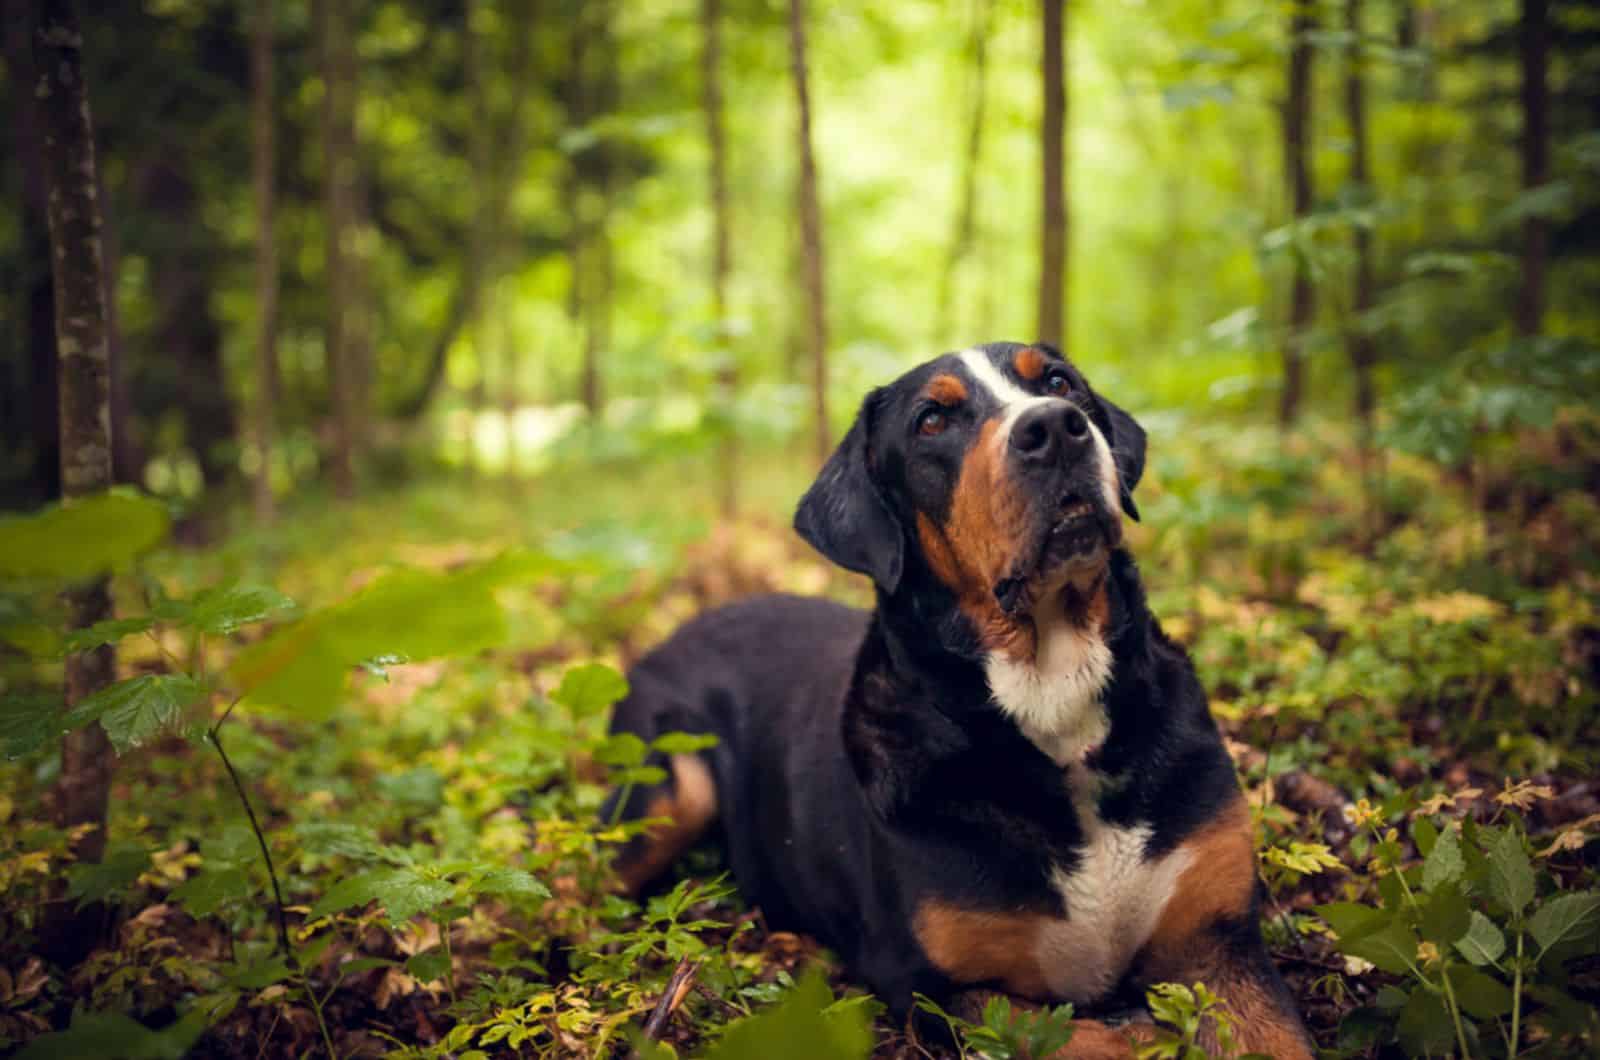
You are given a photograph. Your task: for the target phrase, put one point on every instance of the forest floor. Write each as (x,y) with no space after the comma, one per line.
(434,824)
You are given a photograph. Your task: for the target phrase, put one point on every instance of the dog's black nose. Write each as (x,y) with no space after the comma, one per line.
(1049,432)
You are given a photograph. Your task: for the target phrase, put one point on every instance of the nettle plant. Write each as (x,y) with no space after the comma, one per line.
(1479,933)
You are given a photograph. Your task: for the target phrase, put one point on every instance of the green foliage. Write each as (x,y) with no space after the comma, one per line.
(115,1036)
(806,1025)
(134,710)
(70,542)
(1186,1012)
(1006,1032)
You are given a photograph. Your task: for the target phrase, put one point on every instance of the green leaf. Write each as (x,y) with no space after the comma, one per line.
(1424,1027)
(1350,919)
(1425,834)
(1444,864)
(108,632)
(411,613)
(114,1036)
(1565,918)
(509,881)
(799,1028)
(589,689)
(208,890)
(1480,995)
(1445,915)
(272,969)
(338,839)
(82,538)
(429,964)
(403,893)
(1510,872)
(682,743)
(620,749)
(1392,947)
(224,610)
(111,877)
(1483,943)
(30,721)
(134,710)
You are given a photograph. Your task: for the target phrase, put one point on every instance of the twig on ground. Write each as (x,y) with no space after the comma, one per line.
(677,988)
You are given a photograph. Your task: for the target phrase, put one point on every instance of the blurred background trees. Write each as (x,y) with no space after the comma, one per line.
(347,242)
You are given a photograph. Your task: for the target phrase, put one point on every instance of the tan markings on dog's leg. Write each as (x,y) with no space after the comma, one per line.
(947,390)
(980,946)
(1218,884)
(1028,362)
(689,807)
(973,549)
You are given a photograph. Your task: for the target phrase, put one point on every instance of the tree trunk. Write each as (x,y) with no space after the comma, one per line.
(1053,200)
(83,788)
(967,206)
(337,61)
(1360,348)
(721,254)
(1296,136)
(1535,54)
(525,23)
(262,165)
(810,230)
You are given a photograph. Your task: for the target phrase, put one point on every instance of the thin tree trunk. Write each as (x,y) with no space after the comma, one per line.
(83,787)
(721,254)
(1296,135)
(263,163)
(480,242)
(810,230)
(967,207)
(1360,348)
(338,191)
(525,24)
(1535,54)
(1053,197)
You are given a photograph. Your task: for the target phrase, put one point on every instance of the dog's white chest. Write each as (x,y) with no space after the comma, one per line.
(1114,897)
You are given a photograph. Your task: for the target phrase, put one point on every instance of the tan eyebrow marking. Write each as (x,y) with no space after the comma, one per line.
(947,390)
(1028,362)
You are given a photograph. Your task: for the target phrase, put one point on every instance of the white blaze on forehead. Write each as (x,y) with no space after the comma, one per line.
(1014,401)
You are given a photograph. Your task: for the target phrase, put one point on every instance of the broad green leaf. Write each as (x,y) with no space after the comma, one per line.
(224,610)
(1478,993)
(420,787)
(403,893)
(1510,873)
(338,838)
(1444,864)
(798,1028)
(1483,942)
(1392,947)
(674,743)
(1350,919)
(509,881)
(1445,915)
(429,964)
(410,613)
(134,710)
(30,721)
(1425,834)
(271,969)
(114,1036)
(1565,918)
(108,632)
(81,539)
(209,889)
(1424,1026)
(589,689)
(111,877)
(620,749)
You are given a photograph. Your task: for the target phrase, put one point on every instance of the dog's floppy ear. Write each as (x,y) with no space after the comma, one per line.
(844,517)
(1127,449)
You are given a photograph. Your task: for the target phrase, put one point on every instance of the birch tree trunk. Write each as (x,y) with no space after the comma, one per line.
(83,788)
(810,230)
(1053,198)
(1296,137)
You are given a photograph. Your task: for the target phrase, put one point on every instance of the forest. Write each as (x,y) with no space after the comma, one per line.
(379,382)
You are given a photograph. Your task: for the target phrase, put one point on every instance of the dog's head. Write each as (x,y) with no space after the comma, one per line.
(995,478)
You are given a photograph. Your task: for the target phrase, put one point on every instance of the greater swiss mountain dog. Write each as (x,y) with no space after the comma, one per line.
(1005,777)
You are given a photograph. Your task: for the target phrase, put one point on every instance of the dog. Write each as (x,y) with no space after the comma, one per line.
(1005,777)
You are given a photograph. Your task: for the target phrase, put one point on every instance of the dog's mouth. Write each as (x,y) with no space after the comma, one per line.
(1072,548)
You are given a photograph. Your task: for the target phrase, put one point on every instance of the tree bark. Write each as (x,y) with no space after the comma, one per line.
(1534,33)
(1359,346)
(1296,136)
(721,252)
(337,61)
(967,205)
(263,162)
(1053,198)
(810,230)
(83,788)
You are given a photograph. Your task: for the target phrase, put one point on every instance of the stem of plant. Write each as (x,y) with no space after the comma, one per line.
(1516,998)
(316,1009)
(449,961)
(215,736)
(1455,1012)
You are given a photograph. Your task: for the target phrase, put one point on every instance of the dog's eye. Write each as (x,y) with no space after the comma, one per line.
(1057,383)
(932,422)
